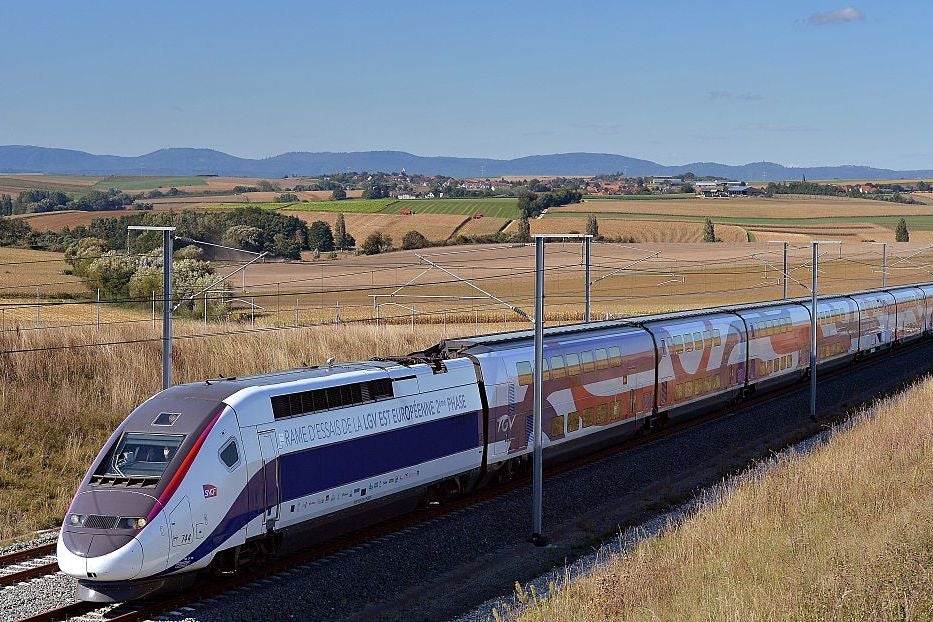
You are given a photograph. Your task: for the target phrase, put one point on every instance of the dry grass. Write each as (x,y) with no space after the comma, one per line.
(21,269)
(666,231)
(842,533)
(482,226)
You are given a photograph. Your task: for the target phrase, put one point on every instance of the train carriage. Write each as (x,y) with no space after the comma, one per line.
(910,307)
(877,312)
(778,343)
(837,338)
(699,357)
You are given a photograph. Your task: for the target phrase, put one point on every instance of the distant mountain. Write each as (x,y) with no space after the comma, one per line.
(188,161)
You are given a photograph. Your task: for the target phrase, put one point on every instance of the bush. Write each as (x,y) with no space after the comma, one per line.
(413,240)
(287,197)
(901,234)
(339,194)
(189,252)
(376,243)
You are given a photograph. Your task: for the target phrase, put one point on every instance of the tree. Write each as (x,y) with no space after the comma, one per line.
(709,233)
(340,230)
(6,205)
(243,236)
(901,234)
(376,243)
(413,240)
(592,226)
(524,229)
(922,186)
(266,186)
(320,236)
(287,197)
(339,194)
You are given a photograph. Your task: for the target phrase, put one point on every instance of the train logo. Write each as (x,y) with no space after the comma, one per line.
(209,491)
(504,423)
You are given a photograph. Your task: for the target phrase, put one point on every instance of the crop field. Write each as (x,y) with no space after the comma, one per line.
(482,226)
(350,206)
(844,532)
(14,184)
(496,208)
(131,183)
(22,269)
(796,207)
(642,230)
(435,227)
(640,197)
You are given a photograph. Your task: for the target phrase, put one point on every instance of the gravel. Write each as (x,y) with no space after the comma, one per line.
(448,566)
(41,537)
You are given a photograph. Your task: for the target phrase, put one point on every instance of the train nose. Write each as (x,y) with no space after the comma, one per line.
(100,556)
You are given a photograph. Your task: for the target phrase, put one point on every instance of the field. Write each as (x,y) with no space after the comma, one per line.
(641,230)
(14,184)
(435,227)
(842,533)
(21,270)
(354,206)
(135,183)
(496,208)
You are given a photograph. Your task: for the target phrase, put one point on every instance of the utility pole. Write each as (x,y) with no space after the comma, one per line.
(168,242)
(537,537)
(588,260)
(814,324)
(784,273)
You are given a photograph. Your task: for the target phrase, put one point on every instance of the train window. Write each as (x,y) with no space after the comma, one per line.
(697,341)
(525,373)
(305,402)
(717,337)
(166,419)
(573,364)
(707,339)
(557,367)
(588,363)
(557,426)
(545,370)
(601,361)
(678,344)
(229,455)
(142,455)
(688,343)
(615,357)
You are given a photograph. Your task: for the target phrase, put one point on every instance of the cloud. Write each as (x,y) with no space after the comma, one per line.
(839,16)
(776,127)
(730,96)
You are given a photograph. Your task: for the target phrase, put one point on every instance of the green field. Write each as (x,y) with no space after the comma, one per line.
(146,183)
(919,223)
(491,208)
(349,206)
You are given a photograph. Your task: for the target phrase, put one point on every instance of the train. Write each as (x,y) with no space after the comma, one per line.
(211,476)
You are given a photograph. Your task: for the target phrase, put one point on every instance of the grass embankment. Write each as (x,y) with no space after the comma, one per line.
(842,533)
(58,407)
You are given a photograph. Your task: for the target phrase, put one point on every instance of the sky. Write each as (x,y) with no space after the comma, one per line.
(794,82)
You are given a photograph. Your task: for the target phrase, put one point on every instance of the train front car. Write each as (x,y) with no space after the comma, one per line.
(135,516)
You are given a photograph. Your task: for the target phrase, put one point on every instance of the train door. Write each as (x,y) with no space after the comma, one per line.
(268,448)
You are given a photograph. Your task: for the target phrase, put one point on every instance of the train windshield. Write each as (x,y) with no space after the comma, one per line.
(143,455)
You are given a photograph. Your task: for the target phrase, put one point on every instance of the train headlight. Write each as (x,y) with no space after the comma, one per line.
(131,523)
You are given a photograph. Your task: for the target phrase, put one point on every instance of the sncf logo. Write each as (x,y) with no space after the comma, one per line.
(209,491)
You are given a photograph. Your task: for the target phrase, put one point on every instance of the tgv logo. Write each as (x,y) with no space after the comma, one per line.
(505,422)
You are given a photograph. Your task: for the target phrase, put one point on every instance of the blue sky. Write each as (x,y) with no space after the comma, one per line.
(795,82)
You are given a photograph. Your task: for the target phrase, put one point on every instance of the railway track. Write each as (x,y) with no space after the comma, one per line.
(27,564)
(293,562)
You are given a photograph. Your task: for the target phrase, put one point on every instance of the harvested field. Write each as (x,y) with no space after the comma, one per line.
(751,208)
(137,183)
(22,269)
(14,184)
(853,232)
(482,226)
(641,230)
(435,227)
(842,533)
(56,221)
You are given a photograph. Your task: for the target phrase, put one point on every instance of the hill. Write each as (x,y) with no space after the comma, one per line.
(190,161)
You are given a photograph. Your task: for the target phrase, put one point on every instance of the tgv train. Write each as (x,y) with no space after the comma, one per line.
(208,475)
